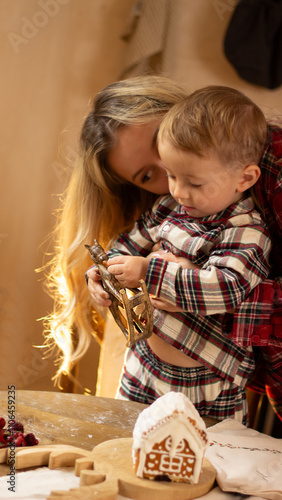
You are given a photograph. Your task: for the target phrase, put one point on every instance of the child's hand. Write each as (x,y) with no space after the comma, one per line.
(99,295)
(128,269)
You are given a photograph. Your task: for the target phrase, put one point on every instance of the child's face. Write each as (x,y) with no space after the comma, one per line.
(202,185)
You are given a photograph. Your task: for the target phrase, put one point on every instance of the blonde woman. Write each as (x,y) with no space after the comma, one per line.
(100,203)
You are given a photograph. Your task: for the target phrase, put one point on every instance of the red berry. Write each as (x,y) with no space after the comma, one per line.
(14,435)
(20,440)
(17,426)
(3,439)
(31,440)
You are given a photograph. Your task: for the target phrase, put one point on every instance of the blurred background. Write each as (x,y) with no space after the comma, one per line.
(55,56)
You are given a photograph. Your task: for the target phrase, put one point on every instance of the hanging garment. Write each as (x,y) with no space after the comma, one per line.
(253,41)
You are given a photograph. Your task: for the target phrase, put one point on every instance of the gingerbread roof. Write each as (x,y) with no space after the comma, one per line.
(165,407)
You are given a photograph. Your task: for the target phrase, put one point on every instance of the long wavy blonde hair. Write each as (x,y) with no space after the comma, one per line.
(97,204)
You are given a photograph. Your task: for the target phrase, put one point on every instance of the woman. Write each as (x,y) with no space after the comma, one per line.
(117,177)
(101,202)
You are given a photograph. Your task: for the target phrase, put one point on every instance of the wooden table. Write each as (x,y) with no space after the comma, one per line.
(72,419)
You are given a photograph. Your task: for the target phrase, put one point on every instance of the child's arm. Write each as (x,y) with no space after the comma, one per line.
(136,244)
(234,267)
(128,270)
(136,267)
(157,302)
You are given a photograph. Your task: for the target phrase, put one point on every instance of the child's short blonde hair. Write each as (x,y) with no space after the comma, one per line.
(220,121)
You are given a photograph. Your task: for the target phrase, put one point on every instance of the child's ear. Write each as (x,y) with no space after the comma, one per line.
(249,177)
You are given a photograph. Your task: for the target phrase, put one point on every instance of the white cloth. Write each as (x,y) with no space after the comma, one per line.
(246,461)
(38,484)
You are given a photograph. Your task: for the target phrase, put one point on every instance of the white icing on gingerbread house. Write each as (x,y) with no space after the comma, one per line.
(169,439)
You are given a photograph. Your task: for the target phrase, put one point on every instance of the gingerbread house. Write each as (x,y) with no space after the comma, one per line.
(169,440)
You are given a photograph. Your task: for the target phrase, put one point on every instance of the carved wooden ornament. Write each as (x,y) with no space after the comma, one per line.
(131,307)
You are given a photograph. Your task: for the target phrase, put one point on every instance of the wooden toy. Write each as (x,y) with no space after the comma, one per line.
(131,307)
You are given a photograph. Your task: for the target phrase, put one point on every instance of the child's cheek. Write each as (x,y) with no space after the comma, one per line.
(208,194)
(201,200)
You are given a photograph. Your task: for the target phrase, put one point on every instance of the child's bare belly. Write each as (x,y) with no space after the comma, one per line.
(170,354)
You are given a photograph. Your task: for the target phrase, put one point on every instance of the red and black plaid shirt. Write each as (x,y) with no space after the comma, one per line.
(258,320)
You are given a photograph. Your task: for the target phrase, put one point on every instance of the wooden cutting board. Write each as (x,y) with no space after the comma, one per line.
(114,457)
(107,471)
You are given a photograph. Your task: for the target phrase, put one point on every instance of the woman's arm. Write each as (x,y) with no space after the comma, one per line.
(257,321)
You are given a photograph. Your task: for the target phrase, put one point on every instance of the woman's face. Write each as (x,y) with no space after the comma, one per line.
(135,158)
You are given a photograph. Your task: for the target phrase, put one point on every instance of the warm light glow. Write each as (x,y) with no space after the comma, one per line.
(61,336)
(58,336)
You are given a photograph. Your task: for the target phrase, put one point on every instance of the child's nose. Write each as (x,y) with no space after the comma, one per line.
(179,191)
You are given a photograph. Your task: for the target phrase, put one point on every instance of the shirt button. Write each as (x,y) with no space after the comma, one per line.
(255,339)
(166,227)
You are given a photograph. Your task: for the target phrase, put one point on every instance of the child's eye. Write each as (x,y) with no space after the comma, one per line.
(196,185)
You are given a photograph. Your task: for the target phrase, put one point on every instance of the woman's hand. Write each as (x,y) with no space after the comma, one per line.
(128,269)
(158,303)
(99,295)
